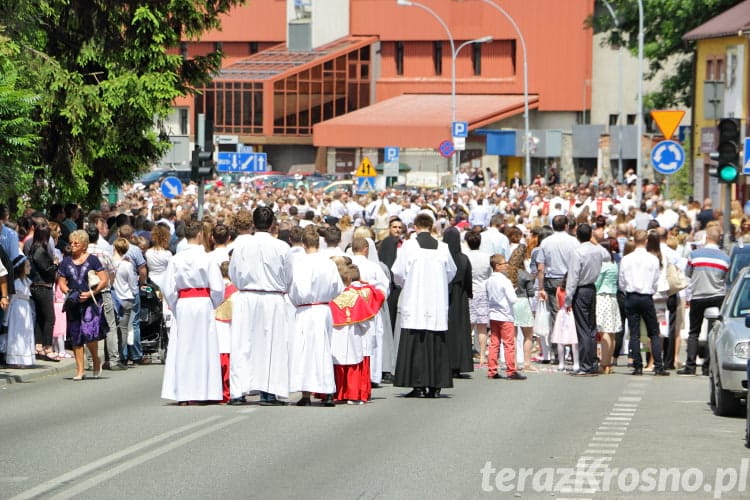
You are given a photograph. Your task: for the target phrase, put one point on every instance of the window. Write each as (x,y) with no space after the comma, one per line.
(183,50)
(476,58)
(399,58)
(437,57)
(183,121)
(715,69)
(631,119)
(613,120)
(218,46)
(252,47)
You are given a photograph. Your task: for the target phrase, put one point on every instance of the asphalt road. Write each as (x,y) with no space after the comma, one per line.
(550,436)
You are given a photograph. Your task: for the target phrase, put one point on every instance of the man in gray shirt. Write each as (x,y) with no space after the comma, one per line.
(555,253)
(580,295)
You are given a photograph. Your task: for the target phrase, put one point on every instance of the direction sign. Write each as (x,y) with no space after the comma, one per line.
(746,158)
(667,157)
(241,162)
(171,187)
(460,129)
(365,185)
(366,169)
(446,148)
(667,120)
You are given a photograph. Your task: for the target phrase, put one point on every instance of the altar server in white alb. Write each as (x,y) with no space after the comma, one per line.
(260,268)
(423,269)
(193,288)
(316,283)
(371,273)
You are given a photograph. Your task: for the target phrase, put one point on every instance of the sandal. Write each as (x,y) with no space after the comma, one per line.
(50,355)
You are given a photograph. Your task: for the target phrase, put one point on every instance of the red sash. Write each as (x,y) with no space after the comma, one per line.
(357,303)
(187,293)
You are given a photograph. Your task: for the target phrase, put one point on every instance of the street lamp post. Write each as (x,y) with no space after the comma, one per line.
(527,133)
(620,93)
(638,165)
(454,54)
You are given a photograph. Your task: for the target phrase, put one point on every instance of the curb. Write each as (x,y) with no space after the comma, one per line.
(10,376)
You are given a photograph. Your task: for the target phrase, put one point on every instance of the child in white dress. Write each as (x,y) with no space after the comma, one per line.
(20,319)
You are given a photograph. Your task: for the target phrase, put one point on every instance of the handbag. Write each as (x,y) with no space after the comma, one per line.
(676,279)
(541,320)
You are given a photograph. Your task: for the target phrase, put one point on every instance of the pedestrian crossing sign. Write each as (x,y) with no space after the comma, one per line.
(366,169)
(365,185)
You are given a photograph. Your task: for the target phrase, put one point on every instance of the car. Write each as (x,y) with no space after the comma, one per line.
(739,258)
(729,348)
(334,186)
(747,412)
(156,176)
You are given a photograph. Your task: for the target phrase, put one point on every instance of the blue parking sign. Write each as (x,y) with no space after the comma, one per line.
(460,129)
(391,154)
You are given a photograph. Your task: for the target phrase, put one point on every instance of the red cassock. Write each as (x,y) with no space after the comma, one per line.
(357,303)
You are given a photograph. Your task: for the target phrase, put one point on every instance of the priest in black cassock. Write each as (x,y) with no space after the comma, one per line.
(424,269)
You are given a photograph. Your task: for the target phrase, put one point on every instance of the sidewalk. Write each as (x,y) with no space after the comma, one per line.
(41,369)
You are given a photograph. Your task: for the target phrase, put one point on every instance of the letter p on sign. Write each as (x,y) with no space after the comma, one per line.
(460,129)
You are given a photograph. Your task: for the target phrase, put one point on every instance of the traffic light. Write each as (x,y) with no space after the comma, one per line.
(728,168)
(201,165)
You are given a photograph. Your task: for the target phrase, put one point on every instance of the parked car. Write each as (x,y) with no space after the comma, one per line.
(739,258)
(747,413)
(339,185)
(729,348)
(156,176)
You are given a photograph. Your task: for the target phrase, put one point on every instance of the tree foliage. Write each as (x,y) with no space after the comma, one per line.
(107,72)
(18,126)
(665,23)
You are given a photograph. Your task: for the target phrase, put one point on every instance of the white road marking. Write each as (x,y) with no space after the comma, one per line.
(92,481)
(96,464)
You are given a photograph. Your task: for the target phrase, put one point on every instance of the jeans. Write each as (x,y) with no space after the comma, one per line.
(111,347)
(134,352)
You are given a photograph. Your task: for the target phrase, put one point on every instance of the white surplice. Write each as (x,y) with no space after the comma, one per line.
(371,272)
(423,275)
(260,268)
(316,282)
(192,371)
(347,343)
(20,349)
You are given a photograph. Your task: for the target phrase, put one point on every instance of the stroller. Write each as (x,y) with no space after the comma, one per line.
(154,331)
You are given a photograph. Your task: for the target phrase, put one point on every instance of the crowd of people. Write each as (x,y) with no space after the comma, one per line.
(276,291)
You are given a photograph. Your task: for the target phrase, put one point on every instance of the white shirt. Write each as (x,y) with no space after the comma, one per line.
(126,280)
(639,272)
(500,297)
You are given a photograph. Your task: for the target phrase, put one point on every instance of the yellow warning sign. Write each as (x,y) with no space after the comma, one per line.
(667,120)
(366,169)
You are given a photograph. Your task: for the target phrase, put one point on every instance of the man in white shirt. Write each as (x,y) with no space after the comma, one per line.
(493,241)
(638,278)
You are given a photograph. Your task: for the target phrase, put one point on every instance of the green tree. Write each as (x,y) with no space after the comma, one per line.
(18,127)
(108,72)
(665,23)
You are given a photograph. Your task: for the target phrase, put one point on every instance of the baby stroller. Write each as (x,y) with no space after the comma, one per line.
(154,333)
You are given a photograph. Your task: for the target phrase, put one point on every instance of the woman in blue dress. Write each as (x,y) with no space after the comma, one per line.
(81,276)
